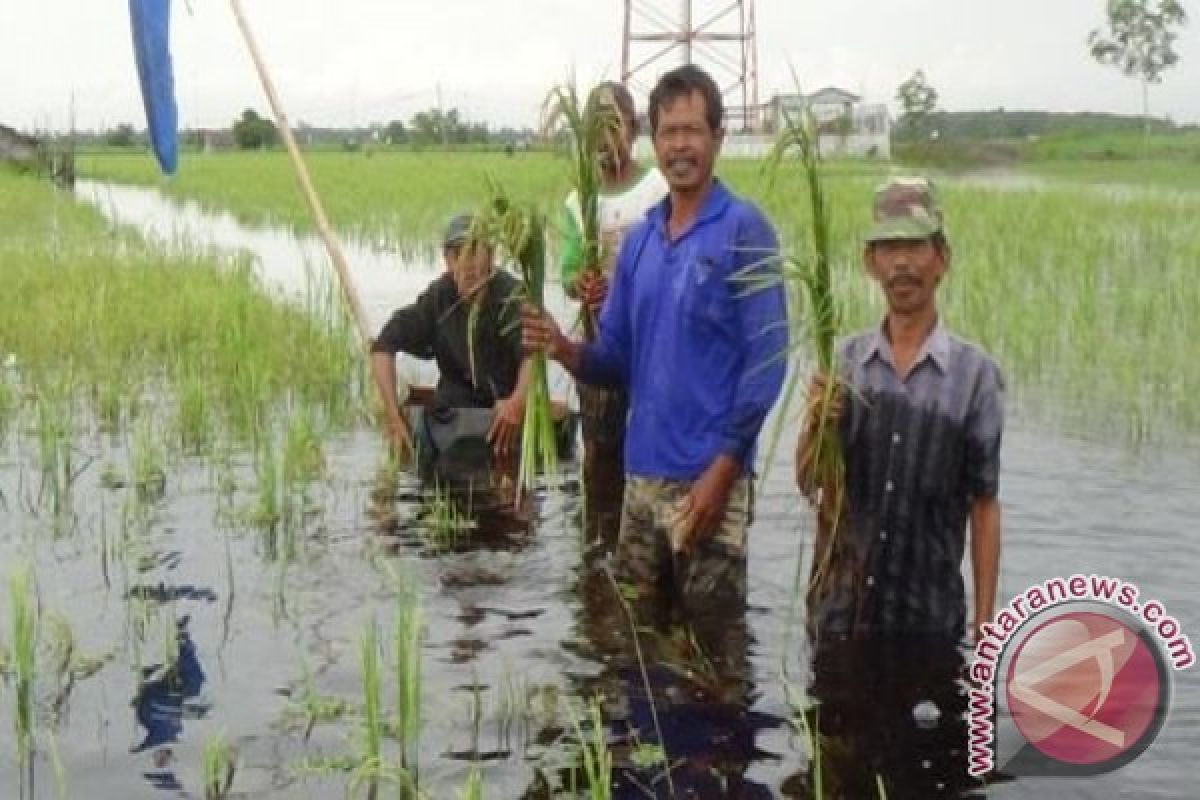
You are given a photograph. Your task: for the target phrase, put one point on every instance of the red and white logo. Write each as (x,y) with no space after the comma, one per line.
(1085,688)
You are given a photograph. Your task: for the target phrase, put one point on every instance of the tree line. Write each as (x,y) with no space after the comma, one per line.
(253,131)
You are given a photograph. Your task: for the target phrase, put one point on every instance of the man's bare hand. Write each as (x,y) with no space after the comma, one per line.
(400,438)
(506,425)
(593,289)
(540,333)
(823,407)
(702,510)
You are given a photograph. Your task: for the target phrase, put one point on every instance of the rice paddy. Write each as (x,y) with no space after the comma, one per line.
(187,463)
(1040,273)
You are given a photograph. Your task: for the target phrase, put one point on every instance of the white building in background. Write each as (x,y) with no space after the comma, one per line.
(849,127)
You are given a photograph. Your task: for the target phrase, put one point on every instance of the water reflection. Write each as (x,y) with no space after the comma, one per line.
(676,693)
(164,699)
(890,712)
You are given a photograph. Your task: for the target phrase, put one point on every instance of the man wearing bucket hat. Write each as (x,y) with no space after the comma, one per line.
(479,360)
(920,421)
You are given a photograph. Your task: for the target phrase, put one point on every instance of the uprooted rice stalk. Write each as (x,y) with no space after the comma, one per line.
(589,128)
(520,232)
(820,469)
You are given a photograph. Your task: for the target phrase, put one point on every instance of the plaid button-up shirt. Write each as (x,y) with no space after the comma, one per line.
(918,451)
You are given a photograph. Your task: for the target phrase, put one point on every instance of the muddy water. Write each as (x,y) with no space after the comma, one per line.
(516,624)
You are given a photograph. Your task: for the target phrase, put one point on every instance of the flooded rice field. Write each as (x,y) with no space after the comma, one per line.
(188,624)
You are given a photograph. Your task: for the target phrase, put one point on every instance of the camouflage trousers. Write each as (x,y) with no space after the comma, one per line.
(711,578)
(602,414)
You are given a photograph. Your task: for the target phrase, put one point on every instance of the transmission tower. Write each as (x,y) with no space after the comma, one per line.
(718,35)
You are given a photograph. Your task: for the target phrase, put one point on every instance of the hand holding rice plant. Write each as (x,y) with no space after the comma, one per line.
(520,232)
(590,128)
(820,470)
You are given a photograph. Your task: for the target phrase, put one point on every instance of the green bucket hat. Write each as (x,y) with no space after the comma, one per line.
(905,208)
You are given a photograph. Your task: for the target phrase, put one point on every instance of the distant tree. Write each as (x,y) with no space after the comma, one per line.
(1140,41)
(395,132)
(252,132)
(121,136)
(918,99)
(438,126)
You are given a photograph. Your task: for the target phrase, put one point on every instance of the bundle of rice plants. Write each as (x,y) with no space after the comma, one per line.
(519,232)
(587,127)
(820,467)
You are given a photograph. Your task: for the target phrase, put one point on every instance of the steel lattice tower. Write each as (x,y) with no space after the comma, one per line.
(718,35)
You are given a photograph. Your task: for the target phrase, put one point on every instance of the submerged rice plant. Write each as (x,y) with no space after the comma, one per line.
(24,630)
(55,446)
(594,752)
(147,462)
(220,766)
(406,642)
(474,787)
(371,764)
(446,521)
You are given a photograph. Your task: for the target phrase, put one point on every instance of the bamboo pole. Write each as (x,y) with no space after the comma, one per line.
(332,245)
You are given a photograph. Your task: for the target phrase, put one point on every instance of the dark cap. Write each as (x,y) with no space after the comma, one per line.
(458,230)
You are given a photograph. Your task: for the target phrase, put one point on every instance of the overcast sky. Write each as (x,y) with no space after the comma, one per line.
(361,61)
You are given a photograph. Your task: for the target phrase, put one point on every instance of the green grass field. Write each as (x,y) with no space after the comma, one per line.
(1082,293)
(95,313)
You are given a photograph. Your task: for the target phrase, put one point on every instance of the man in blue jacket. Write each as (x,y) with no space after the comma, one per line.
(700,354)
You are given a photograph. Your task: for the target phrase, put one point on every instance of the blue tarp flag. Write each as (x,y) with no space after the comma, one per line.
(151,24)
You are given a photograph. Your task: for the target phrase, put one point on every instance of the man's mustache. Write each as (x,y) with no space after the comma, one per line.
(903,279)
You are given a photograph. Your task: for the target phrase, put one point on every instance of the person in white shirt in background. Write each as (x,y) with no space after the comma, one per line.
(627,191)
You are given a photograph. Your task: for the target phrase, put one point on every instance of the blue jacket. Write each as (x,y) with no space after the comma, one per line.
(702,355)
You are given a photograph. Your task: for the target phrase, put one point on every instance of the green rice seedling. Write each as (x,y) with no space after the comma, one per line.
(371,761)
(8,404)
(24,629)
(106,402)
(170,640)
(68,665)
(302,463)
(303,459)
(314,707)
(445,521)
(194,420)
(219,767)
(588,127)
(147,462)
(514,707)
(55,434)
(475,711)
(267,513)
(473,790)
(593,751)
(819,466)
(816,770)
(406,649)
(520,232)
(60,656)
(57,767)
